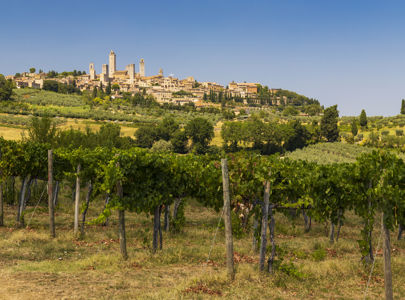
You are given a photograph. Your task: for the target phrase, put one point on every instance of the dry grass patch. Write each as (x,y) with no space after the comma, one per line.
(34,266)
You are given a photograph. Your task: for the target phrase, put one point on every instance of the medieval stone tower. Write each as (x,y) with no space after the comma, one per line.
(104,74)
(112,64)
(131,72)
(142,68)
(92,71)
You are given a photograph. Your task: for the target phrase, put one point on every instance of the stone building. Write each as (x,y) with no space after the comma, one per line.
(104,78)
(142,68)
(92,72)
(113,65)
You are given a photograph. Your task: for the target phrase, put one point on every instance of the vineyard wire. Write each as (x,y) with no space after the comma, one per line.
(372,267)
(29,221)
(215,235)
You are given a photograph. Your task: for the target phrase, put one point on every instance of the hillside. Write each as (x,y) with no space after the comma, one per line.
(327,153)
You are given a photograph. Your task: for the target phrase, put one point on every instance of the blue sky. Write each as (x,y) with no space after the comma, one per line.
(350,53)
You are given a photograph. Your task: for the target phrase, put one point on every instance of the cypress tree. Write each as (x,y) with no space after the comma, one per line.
(94,95)
(329,127)
(403,107)
(355,130)
(363,119)
(108,89)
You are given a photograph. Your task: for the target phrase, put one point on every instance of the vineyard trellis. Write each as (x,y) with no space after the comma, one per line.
(141,181)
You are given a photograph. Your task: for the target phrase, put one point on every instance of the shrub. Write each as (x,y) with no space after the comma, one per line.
(319,254)
(162,146)
(291,270)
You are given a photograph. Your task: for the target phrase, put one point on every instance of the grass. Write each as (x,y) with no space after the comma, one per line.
(34,266)
(13,132)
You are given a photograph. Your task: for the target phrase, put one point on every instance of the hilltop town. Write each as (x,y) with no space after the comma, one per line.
(164,89)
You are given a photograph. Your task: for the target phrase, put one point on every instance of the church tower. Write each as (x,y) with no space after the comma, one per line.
(92,71)
(142,68)
(112,64)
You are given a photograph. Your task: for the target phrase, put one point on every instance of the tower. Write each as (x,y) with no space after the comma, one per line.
(142,68)
(131,72)
(104,74)
(92,71)
(161,72)
(112,62)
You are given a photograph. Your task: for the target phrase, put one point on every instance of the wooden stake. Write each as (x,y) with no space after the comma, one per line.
(121,223)
(50,195)
(77,202)
(265,214)
(1,203)
(1,198)
(387,261)
(227,220)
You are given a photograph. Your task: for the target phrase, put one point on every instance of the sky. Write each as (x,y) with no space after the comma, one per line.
(346,52)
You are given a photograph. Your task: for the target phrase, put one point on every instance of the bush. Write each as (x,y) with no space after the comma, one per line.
(349,138)
(385,132)
(291,270)
(399,132)
(162,146)
(319,254)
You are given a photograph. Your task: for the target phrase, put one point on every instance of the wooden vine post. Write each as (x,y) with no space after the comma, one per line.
(265,214)
(1,203)
(227,220)
(50,194)
(121,222)
(387,261)
(1,198)
(77,201)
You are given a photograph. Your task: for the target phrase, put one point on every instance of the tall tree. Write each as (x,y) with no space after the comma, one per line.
(355,130)
(329,124)
(42,130)
(403,107)
(108,89)
(201,132)
(363,118)
(6,88)
(94,94)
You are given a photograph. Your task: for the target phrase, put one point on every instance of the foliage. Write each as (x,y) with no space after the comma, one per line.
(201,132)
(403,107)
(326,153)
(6,88)
(363,118)
(354,128)
(55,86)
(162,146)
(42,130)
(181,93)
(373,183)
(329,128)
(268,138)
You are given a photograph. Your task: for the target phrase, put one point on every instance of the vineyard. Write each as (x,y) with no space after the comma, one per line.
(167,209)
(327,153)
